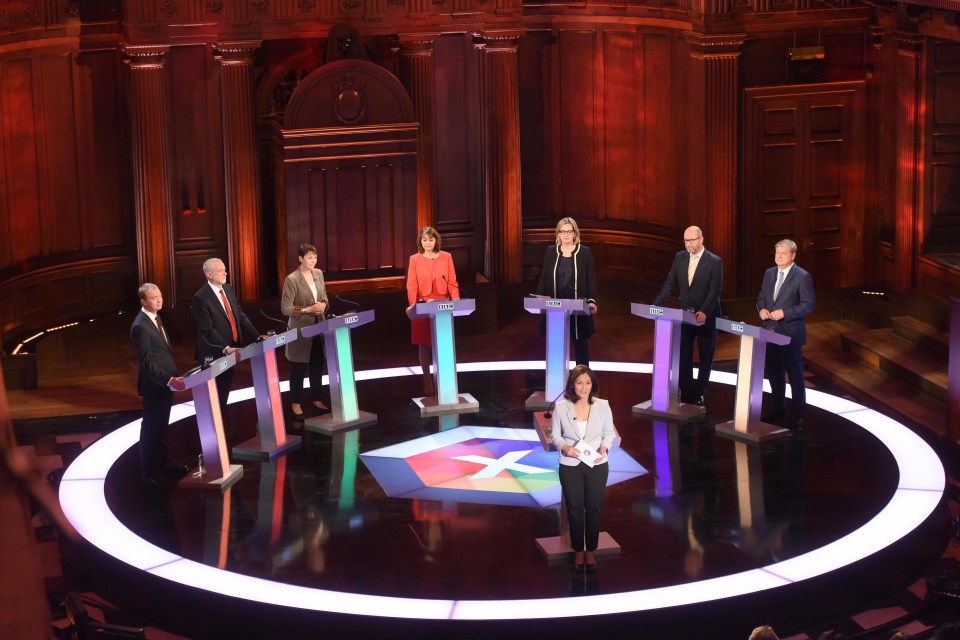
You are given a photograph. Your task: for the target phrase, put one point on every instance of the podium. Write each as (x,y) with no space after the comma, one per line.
(441,314)
(746,424)
(558,312)
(271,439)
(344,411)
(665,404)
(219,473)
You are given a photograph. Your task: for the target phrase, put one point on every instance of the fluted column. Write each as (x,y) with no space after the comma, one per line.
(501,101)
(150,123)
(416,68)
(715,115)
(910,134)
(241,178)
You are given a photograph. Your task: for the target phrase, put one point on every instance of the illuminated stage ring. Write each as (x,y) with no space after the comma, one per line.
(918,492)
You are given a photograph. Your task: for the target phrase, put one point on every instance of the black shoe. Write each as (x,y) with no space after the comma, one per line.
(174,470)
(773,418)
(797,425)
(698,400)
(321,411)
(297,415)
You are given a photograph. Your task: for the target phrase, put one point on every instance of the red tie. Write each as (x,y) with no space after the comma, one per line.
(233,323)
(160,327)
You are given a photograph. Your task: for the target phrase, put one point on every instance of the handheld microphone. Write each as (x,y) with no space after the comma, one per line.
(357,306)
(463,293)
(549,412)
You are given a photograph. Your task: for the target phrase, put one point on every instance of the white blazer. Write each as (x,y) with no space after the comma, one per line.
(600,431)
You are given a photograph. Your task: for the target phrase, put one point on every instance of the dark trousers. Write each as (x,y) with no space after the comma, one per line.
(156,417)
(315,369)
(706,338)
(786,361)
(581,351)
(583,490)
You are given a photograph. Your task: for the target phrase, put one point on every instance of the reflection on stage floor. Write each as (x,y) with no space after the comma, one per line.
(449,508)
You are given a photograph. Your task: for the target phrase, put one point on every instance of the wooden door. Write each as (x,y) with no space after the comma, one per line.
(803,168)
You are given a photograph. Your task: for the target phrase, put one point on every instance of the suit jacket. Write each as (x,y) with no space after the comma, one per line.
(584,285)
(600,431)
(796,298)
(703,294)
(296,294)
(213,326)
(419,274)
(156,358)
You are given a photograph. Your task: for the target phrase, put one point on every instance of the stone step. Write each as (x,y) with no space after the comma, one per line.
(900,358)
(922,334)
(867,383)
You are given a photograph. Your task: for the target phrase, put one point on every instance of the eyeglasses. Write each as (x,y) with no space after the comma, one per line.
(567,232)
(692,239)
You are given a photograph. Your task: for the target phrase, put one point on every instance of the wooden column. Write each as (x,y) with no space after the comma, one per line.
(953,374)
(911,130)
(501,143)
(150,121)
(416,70)
(241,178)
(715,77)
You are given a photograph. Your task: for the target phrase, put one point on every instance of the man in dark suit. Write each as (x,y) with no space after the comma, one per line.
(222,326)
(786,299)
(696,277)
(156,383)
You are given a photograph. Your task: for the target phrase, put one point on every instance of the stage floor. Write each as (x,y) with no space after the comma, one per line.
(714,535)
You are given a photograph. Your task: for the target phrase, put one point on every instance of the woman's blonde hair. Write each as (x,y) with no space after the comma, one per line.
(576,229)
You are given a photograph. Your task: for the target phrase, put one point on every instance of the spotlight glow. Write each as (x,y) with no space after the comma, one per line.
(920,488)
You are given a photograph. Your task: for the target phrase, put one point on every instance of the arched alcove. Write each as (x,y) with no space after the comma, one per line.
(349,178)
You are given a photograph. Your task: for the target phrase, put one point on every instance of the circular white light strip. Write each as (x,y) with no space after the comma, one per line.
(918,492)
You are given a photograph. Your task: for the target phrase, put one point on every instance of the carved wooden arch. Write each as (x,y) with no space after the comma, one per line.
(349,174)
(343,84)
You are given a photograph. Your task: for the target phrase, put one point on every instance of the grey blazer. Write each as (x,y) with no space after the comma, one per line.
(296,294)
(600,430)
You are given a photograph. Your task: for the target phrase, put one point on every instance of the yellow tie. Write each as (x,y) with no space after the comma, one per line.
(692,269)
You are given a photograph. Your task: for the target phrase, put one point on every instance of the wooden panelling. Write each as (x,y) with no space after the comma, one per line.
(660,148)
(620,133)
(59,189)
(18,119)
(941,219)
(103,152)
(85,288)
(576,102)
(803,179)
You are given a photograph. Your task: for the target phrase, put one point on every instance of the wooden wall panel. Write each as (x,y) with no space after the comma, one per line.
(659,137)
(351,221)
(941,224)
(20,158)
(103,155)
(622,111)
(536,166)
(60,221)
(579,169)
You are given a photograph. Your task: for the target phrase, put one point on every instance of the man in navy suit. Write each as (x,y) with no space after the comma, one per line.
(786,299)
(696,277)
(222,326)
(156,383)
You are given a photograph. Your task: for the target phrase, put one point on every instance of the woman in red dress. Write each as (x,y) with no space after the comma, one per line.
(430,276)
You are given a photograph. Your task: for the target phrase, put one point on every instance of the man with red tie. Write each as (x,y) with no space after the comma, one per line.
(222,326)
(157,381)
